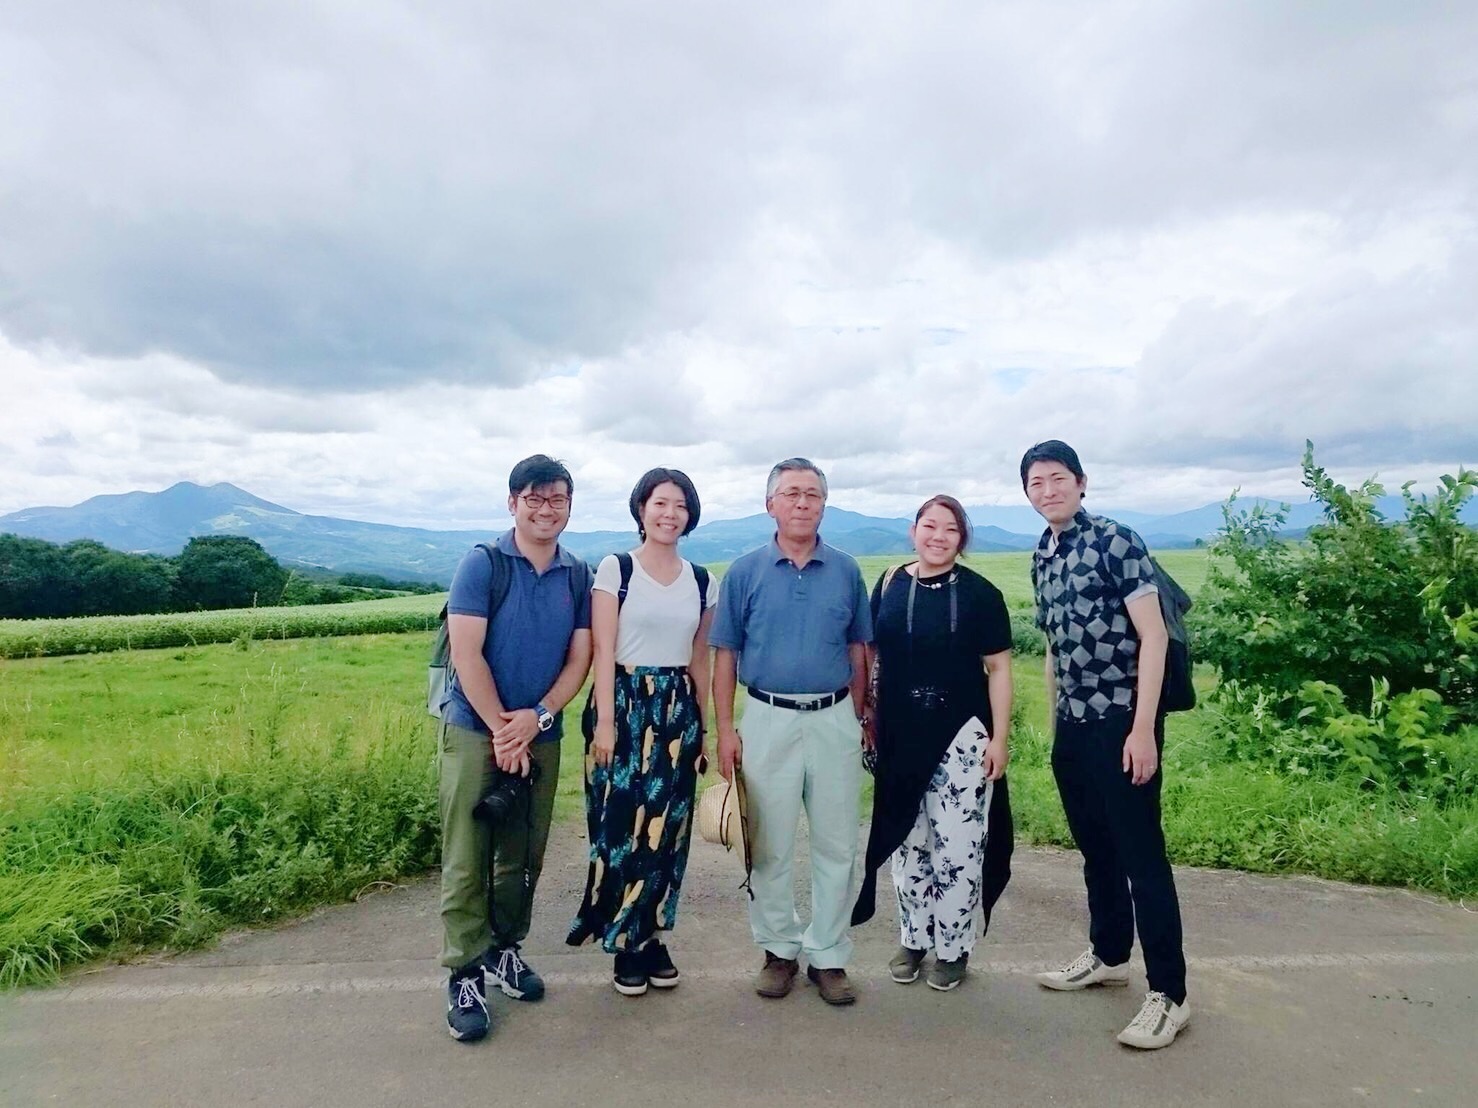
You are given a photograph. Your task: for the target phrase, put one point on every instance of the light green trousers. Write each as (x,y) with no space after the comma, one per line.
(473,860)
(794,760)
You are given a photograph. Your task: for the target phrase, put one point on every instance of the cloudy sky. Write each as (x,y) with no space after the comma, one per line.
(359,258)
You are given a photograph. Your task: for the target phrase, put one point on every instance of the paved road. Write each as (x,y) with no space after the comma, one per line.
(1305,993)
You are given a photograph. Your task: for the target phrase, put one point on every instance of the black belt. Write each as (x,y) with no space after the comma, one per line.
(800,705)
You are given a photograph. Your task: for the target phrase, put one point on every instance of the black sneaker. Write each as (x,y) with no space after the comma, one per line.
(630,976)
(467,1005)
(513,975)
(660,970)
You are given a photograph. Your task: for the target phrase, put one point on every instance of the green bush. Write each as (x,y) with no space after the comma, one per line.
(1364,605)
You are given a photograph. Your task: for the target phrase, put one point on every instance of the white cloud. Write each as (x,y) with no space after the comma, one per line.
(360,259)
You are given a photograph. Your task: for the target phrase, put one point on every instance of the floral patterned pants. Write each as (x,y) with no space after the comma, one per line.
(937,870)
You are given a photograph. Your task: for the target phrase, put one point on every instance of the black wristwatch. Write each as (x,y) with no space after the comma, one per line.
(546,717)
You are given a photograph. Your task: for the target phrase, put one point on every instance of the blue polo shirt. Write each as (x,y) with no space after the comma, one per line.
(528,637)
(789,626)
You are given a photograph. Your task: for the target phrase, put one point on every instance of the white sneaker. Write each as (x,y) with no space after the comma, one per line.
(1157,1024)
(1084,970)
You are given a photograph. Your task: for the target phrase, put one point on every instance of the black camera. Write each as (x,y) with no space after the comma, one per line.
(926,698)
(504,793)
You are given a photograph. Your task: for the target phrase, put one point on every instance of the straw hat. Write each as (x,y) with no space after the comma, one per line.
(723,816)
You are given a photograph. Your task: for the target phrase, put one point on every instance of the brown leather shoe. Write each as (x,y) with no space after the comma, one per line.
(834,986)
(777,976)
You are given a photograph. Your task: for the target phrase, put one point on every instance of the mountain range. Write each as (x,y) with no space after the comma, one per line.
(162,522)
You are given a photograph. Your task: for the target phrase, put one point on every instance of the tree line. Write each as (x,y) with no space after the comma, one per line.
(39,579)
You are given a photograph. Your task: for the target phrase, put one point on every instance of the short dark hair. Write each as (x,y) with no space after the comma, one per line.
(648,485)
(1053,450)
(538,470)
(956,509)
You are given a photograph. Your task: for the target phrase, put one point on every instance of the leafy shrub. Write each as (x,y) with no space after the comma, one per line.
(1402,741)
(1364,605)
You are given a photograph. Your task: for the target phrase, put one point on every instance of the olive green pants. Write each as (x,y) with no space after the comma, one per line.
(474,858)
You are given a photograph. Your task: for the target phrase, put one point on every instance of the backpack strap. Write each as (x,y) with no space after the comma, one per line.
(501,580)
(581,580)
(700,574)
(888,575)
(624,561)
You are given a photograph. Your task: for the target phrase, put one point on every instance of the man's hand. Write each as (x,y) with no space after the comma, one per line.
(511,757)
(511,741)
(996,757)
(730,752)
(1141,759)
(869,732)
(603,743)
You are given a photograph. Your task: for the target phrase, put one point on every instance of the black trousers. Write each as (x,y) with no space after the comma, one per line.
(1117,827)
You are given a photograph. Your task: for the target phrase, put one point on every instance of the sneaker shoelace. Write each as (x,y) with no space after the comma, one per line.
(1156,1005)
(468,996)
(1085,961)
(511,967)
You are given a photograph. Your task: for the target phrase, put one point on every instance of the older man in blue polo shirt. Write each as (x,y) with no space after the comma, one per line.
(793,620)
(521,652)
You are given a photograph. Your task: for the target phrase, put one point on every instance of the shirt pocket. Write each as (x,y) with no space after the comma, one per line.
(836,618)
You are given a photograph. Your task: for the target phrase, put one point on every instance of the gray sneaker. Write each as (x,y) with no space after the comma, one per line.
(905,964)
(944,976)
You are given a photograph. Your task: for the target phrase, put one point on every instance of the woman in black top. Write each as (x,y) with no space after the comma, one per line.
(939,736)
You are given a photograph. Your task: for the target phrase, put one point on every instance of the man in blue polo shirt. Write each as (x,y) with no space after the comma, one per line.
(793,620)
(519,659)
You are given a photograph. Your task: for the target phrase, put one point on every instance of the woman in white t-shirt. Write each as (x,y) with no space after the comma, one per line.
(650,615)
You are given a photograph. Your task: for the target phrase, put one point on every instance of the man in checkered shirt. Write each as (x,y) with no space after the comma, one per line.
(1098,603)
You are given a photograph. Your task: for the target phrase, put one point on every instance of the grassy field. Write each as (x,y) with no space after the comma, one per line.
(153,797)
(35,638)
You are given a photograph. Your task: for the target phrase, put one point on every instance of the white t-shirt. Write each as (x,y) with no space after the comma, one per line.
(657,623)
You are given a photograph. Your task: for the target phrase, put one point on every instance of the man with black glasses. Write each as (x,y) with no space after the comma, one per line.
(518,620)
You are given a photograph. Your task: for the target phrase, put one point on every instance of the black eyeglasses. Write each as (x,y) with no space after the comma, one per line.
(535,501)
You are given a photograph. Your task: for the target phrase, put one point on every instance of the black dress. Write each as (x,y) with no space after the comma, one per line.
(957,619)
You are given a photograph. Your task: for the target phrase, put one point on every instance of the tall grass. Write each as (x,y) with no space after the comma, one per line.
(175,851)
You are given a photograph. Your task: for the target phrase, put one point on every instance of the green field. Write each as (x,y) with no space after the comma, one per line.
(35,638)
(153,797)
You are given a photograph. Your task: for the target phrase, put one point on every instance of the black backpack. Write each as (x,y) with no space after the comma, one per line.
(1178,691)
(439,671)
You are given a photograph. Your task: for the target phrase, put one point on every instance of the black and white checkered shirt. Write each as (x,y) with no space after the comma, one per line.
(1084,579)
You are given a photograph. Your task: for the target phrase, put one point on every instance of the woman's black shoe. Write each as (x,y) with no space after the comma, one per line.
(658,963)
(630,977)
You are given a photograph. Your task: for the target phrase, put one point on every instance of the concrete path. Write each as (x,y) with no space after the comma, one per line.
(1305,992)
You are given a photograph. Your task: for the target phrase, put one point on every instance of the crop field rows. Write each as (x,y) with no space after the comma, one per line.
(38,638)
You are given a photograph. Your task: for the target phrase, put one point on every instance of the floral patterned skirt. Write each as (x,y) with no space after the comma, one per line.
(639,810)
